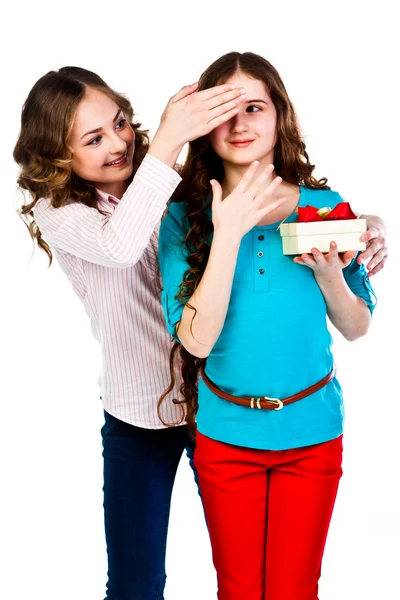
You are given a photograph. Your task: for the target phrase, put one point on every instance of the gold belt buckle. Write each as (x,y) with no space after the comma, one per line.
(273,400)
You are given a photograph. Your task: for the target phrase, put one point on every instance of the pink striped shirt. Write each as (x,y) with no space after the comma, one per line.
(112,263)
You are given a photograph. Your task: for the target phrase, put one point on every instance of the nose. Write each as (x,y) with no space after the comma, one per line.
(239,123)
(117,145)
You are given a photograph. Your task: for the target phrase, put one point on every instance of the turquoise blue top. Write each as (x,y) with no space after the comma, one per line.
(275,340)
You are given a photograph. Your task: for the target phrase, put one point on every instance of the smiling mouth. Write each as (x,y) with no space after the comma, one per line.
(118,161)
(241,143)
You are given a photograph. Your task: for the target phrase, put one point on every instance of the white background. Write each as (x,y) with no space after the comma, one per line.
(338,61)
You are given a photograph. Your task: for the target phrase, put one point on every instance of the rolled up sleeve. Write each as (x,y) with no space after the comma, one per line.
(173,265)
(358,281)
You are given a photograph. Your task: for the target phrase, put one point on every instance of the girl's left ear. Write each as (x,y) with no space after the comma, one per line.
(178,168)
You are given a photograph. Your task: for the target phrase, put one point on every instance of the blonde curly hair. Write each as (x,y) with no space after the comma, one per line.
(42,150)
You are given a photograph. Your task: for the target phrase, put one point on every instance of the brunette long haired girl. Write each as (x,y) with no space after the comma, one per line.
(258,375)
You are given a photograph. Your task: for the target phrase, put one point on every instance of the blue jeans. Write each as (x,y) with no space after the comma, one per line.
(139,472)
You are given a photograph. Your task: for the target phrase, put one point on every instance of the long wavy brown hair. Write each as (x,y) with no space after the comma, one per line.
(42,150)
(291,162)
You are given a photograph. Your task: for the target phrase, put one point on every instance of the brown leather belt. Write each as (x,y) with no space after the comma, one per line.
(264,401)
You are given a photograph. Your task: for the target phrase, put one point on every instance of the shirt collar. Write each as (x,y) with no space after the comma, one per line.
(106,201)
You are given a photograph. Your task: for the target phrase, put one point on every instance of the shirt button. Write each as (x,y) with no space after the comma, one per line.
(261,237)
(260,254)
(261,271)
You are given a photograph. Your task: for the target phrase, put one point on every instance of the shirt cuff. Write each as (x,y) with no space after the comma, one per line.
(156,174)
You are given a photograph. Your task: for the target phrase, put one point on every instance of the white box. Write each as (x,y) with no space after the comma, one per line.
(299,238)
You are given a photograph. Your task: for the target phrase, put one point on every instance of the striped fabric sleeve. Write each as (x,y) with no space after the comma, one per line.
(116,240)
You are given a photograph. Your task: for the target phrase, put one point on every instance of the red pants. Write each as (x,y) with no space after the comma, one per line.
(268,515)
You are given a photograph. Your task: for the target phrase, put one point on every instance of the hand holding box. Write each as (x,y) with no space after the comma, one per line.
(317,228)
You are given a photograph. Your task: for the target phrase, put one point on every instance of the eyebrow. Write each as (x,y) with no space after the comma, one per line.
(100,128)
(250,101)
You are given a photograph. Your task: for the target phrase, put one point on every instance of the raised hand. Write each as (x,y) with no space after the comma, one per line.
(244,207)
(194,114)
(190,114)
